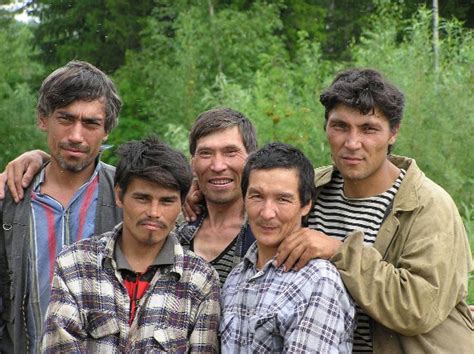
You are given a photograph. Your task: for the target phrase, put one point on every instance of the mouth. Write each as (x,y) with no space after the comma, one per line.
(352,160)
(152,225)
(219,182)
(267,228)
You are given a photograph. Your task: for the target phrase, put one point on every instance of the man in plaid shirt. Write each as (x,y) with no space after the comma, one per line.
(135,289)
(266,309)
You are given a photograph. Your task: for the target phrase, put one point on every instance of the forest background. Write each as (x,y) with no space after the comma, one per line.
(173,59)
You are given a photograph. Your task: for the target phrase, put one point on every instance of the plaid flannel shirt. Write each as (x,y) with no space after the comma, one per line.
(271,311)
(89,306)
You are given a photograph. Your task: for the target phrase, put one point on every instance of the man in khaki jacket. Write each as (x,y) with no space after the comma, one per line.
(394,235)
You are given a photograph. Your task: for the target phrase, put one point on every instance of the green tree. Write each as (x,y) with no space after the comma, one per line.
(17,101)
(96,31)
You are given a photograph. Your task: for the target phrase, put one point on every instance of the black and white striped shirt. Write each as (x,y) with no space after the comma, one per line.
(336,215)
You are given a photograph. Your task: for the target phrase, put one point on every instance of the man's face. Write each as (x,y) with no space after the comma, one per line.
(273,205)
(75,133)
(359,143)
(149,212)
(218,164)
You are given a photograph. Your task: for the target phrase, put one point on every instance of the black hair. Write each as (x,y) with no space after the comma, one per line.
(154,161)
(280,155)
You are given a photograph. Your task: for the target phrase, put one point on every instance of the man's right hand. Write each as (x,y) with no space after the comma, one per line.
(19,173)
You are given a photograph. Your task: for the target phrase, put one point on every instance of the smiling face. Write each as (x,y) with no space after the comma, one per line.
(218,164)
(75,134)
(149,213)
(359,144)
(273,206)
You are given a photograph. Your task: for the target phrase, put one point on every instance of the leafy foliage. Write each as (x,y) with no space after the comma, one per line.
(17,102)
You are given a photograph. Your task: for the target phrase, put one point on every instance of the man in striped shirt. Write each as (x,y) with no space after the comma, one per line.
(267,310)
(135,289)
(395,236)
(71,198)
(219,143)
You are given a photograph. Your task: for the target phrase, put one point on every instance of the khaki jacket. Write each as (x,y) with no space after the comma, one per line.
(413,281)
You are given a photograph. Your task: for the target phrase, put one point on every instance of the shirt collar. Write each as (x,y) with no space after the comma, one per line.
(250,260)
(164,257)
(41,175)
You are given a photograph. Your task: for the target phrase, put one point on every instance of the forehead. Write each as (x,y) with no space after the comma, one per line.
(144,186)
(221,138)
(275,180)
(353,115)
(94,108)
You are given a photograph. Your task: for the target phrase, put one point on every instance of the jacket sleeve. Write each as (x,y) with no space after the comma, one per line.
(425,275)
(63,330)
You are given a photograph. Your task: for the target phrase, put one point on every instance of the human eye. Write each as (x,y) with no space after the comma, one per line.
(92,123)
(231,152)
(63,118)
(205,153)
(141,198)
(369,129)
(169,200)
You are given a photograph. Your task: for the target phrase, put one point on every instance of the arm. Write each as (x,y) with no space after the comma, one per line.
(203,339)
(423,273)
(304,245)
(324,319)
(19,173)
(63,328)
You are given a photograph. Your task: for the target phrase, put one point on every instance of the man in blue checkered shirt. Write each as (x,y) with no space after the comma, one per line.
(266,309)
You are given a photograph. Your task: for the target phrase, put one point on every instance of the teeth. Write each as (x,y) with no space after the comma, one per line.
(220,181)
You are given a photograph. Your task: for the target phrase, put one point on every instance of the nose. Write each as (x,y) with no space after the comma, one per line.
(76,132)
(218,163)
(268,210)
(352,141)
(154,210)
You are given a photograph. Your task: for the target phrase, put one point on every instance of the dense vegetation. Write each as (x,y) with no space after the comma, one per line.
(270,60)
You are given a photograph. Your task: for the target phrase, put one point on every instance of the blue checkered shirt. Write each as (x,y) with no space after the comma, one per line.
(89,309)
(271,311)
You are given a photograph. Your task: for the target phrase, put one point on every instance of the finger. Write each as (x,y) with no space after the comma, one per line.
(3,182)
(188,212)
(293,257)
(286,247)
(28,176)
(303,260)
(14,181)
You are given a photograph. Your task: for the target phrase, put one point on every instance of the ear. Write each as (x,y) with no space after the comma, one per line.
(118,200)
(42,122)
(104,139)
(192,164)
(393,134)
(306,209)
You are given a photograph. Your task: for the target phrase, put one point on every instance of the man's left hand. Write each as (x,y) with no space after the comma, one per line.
(299,248)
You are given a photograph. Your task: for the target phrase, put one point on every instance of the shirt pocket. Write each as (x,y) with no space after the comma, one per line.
(265,332)
(171,340)
(102,324)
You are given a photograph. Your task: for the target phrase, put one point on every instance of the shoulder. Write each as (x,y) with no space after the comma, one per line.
(417,185)
(84,251)
(320,270)
(196,271)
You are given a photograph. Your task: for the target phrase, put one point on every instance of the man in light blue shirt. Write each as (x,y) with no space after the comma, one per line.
(266,309)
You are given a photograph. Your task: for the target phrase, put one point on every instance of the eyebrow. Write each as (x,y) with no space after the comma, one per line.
(70,115)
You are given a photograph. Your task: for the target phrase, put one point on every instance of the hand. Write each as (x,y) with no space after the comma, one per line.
(299,248)
(191,206)
(19,173)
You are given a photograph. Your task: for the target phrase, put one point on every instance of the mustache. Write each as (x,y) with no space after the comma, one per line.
(69,146)
(157,222)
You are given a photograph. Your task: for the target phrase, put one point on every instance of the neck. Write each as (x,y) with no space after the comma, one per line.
(137,256)
(264,254)
(374,185)
(61,184)
(221,214)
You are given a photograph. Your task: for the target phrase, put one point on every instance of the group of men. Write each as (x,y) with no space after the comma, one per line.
(366,255)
